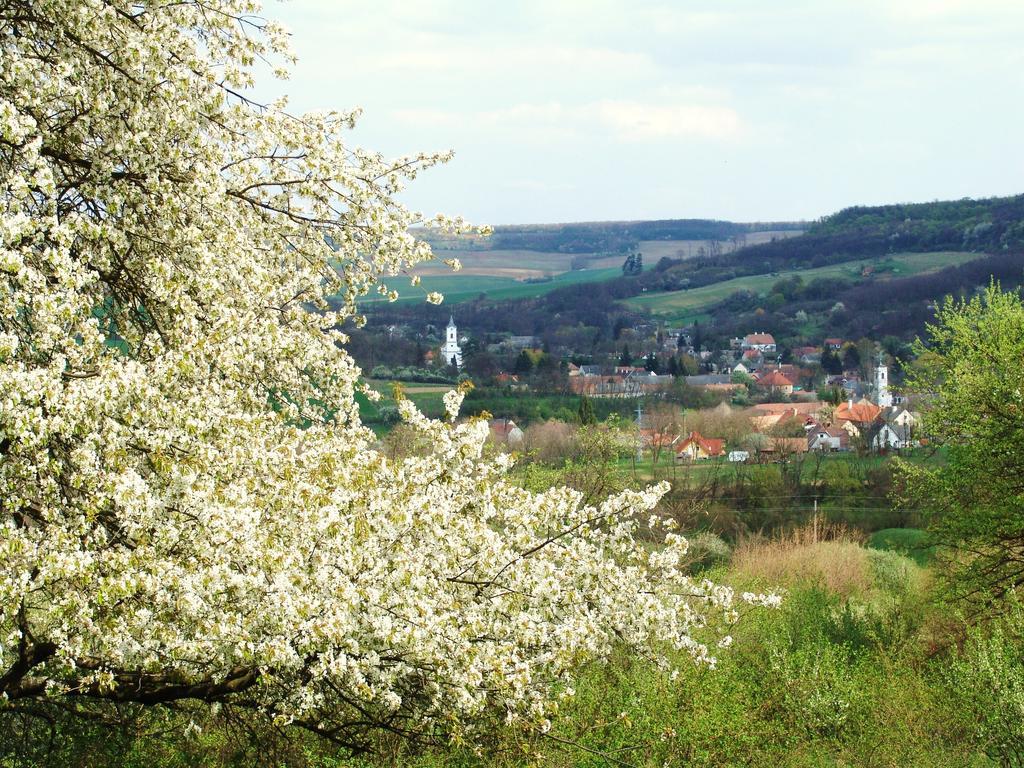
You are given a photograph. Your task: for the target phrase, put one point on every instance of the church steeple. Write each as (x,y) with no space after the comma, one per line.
(451,350)
(882,393)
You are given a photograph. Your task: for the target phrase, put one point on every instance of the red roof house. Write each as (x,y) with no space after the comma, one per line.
(696,446)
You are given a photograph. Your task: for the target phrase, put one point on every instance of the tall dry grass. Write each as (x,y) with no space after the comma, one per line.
(823,553)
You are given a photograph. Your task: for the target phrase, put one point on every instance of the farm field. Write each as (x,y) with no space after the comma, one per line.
(654,250)
(510,274)
(679,306)
(515,264)
(458,288)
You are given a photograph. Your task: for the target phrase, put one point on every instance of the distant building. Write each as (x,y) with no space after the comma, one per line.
(451,351)
(823,438)
(856,417)
(892,436)
(807,355)
(762,342)
(777,382)
(521,342)
(882,395)
(696,446)
(707,379)
(505,431)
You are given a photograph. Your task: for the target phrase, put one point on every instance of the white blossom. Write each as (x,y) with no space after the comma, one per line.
(187,497)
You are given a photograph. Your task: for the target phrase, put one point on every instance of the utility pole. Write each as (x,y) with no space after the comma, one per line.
(639,434)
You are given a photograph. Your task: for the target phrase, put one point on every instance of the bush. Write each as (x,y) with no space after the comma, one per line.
(911,542)
(891,572)
(987,681)
(707,551)
(550,442)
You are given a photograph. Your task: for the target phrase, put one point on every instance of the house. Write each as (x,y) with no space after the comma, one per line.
(740,368)
(777,383)
(696,446)
(653,438)
(708,379)
(765,416)
(505,431)
(763,421)
(762,342)
(892,437)
(856,418)
(642,380)
(822,438)
(783,446)
(810,408)
(850,383)
(517,343)
(510,380)
(597,386)
(713,382)
(834,344)
(724,389)
(901,416)
(790,371)
(752,359)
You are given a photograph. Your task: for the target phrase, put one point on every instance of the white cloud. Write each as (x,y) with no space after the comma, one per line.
(637,121)
(626,120)
(446,55)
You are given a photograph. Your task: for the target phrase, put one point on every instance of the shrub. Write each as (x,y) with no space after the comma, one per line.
(707,551)
(912,542)
(987,681)
(550,442)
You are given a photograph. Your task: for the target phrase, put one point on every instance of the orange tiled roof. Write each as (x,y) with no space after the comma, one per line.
(775,379)
(861,413)
(710,445)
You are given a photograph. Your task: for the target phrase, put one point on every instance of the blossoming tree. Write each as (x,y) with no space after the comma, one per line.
(189,506)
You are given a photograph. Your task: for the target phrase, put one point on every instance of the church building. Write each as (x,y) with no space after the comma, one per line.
(882,394)
(451,351)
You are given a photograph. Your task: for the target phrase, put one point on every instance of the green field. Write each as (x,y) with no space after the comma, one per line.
(458,288)
(516,264)
(680,306)
(520,274)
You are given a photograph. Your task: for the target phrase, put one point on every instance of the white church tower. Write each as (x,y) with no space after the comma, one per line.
(882,385)
(451,350)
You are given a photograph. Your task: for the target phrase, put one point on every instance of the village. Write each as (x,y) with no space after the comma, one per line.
(750,406)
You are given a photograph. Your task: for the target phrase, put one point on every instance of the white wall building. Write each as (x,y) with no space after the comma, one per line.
(882,393)
(451,351)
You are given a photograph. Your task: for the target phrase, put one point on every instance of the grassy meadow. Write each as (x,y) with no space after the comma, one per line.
(518,274)
(458,287)
(680,306)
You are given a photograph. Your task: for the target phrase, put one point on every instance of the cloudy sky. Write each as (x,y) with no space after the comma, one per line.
(582,110)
